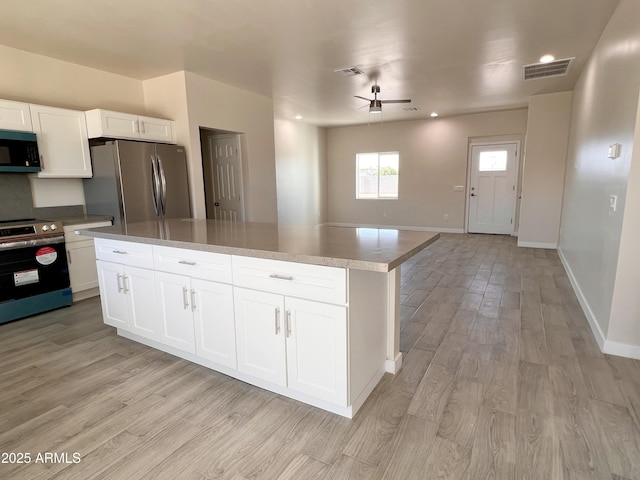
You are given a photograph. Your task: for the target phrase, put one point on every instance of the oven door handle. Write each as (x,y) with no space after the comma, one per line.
(31,243)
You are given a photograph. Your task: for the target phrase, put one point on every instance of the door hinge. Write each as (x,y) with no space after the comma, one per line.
(514,188)
(512,221)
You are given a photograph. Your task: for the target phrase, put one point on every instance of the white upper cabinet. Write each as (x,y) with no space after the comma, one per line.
(62,142)
(15,116)
(105,123)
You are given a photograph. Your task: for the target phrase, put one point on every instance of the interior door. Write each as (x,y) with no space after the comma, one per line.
(492,188)
(226,176)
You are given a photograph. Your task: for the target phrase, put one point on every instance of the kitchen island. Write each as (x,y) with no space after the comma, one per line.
(310,312)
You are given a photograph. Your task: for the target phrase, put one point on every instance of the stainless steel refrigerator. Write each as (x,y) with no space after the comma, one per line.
(137,181)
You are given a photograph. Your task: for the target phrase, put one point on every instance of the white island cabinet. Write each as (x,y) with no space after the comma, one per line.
(311,313)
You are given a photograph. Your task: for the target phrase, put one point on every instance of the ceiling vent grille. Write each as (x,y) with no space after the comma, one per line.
(349,71)
(544,70)
(410,109)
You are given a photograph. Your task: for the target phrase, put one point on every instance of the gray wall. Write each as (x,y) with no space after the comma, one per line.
(605,103)
(433,158)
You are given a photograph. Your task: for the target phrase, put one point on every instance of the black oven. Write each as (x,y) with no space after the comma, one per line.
(34,276)
(18,152)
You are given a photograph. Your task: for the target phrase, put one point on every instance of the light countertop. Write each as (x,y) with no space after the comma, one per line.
(373,249)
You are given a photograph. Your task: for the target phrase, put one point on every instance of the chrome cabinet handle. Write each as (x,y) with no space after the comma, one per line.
(118,281)
(281,277)
(185,297)
(142,127)
(125,289)
(277,320)
(120,252)
(186,262)
(69,256)
(193,299)
(288,322)
(42,162)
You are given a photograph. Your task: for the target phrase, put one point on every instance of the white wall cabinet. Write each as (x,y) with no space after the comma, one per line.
(81,258)
(106,123)
(293,342)
(15,116)
(62,142)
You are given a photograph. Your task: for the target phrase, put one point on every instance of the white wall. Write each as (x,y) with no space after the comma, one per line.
(301,172)
(624,327)
(32,78)
(605,103)
(543,169)
(194,101)
(433,158)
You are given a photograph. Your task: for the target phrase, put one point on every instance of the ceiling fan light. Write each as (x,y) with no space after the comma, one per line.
(375,109)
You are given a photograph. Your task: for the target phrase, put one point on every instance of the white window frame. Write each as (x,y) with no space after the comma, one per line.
(377,197)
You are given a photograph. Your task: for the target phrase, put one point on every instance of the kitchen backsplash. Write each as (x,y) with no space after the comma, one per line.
(15,196)
(54,213)
(16,201)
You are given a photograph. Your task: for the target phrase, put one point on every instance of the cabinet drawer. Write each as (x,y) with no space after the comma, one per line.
(328,284)
(196,264)
(126,253)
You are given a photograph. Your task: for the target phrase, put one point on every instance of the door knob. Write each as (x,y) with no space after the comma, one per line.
(473,194)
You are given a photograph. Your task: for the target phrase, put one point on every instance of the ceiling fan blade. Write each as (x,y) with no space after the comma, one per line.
(395,101)
(363,98)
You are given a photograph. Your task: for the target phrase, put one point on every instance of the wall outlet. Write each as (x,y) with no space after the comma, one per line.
(385,213)
(446,217)
(613,204)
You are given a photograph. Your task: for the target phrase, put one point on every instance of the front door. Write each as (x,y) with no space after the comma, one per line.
(226,173)
(492,188)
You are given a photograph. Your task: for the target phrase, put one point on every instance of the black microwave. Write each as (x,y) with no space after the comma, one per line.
(18,152)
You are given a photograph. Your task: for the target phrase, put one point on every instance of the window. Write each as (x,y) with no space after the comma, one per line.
(377,175)
(493,161)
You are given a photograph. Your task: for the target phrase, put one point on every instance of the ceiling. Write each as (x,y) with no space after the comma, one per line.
(448,56)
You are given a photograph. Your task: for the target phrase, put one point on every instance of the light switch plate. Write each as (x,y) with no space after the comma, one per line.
(458,188)
(614,150)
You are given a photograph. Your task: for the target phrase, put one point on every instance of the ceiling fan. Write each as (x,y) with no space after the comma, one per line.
(375,105)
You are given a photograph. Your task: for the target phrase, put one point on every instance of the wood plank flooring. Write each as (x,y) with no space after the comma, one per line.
(502,379)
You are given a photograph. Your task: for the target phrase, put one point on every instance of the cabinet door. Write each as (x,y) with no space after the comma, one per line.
(81,257)
(112,296)
(316,336)
(174,311)
(260,334)
(15,116)
(156,129)
(105,123)
(212,306)
(139,285)
(62,142)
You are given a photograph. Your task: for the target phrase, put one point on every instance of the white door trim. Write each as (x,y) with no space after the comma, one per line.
(516,173)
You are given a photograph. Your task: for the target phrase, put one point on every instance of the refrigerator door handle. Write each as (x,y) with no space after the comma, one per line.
(155,185)
(163,180)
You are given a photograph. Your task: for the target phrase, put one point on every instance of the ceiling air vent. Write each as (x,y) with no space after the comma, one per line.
(349,71)
(410,109)
(544,70)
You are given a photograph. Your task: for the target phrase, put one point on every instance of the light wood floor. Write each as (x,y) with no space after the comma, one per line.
(502,379)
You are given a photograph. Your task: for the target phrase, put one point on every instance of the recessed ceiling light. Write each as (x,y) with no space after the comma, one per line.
(434,114)
(298,117)
(547,58)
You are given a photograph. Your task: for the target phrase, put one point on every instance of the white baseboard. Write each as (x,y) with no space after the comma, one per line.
(621,349)
(397,227)
(393,366)
(591,318)
(552,246)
